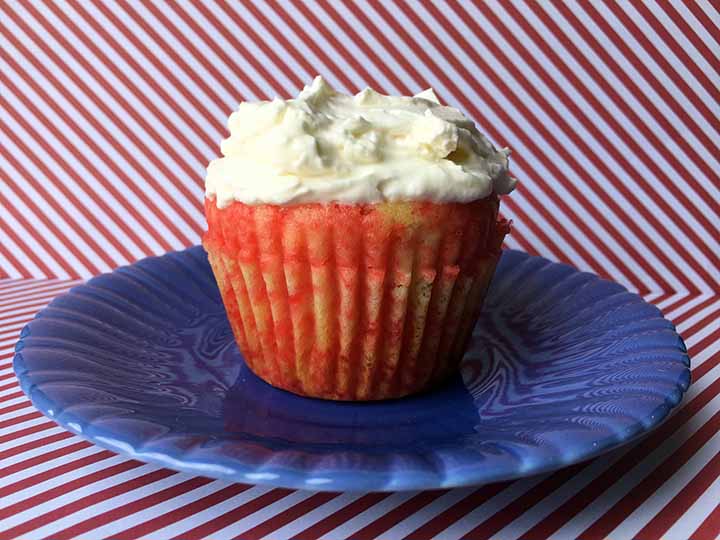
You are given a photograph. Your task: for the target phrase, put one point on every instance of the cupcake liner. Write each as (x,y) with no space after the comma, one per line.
(354,302)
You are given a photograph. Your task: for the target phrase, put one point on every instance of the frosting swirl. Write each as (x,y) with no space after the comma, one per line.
(327,147)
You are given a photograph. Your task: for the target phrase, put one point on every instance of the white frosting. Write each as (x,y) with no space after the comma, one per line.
(328,147)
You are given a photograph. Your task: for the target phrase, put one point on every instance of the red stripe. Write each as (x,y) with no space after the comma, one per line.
(702,17)
(670,101)
(49,243)
(221,53)
(710,528)
(145,124)
(16,237)
(291,514)
(191,509)
(690,312)
(109,37)
(515,509)
(266,72)
(640,66)
(340,48)
(8,376)
(321,528)
(128,509)
(19,449)
(43,458)
(391,49)
(7,254)
(8,397)
(46,292)
(679,505)
(98,176)
(362,44)
(573,506)
(668,38)
(9,385)
(7,437)
(396,515)
(139,94)
(18,419)
(179,59)
(206,529)
(77,206)
(287,47)
(640,493)
(526,139)
(90,119)
(80,504)
(678,137)
(673,13)
(627,220)
(70,466)
(647,189)
(456,512)
(312,44)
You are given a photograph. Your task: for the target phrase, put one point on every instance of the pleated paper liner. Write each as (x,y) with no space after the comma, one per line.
(354,302)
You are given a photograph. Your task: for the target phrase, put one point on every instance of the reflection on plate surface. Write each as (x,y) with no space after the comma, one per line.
(563,366)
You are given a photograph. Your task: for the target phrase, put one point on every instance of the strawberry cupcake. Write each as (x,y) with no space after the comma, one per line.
(353,239)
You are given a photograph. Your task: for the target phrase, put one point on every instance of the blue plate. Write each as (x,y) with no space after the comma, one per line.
(563,366)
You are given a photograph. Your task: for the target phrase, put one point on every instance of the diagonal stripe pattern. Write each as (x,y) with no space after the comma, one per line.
(111,111)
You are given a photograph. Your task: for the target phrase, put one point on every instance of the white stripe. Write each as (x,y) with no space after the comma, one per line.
(656,71)
(74,495)
(207,515)
(218,87)
(711,11)
(555,499)
(231,80)
(578,126)
(367,32)
(327,25)
(295,527)
(70,159)
(671,489)
(351,526)
(696,514)
(272,43)
(705,331)
(150,72)
(237,528)
(6,266)
(699,316)
(633,131)
(39,229)
(30,245)
(710,42)
(70,183)
(39,451)
(575,526)
(96,87)
(239,62)
(50,464)
(28,284)
(275,70)
(9,430)
(63,479)
(301,47)
(115,528)
(45,294)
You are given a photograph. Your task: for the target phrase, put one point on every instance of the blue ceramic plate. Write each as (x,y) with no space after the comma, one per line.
(563,366)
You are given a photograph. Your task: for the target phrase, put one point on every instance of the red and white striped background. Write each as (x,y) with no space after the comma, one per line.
(111,111)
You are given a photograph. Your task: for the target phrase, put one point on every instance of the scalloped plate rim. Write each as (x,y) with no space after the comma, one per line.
(347,480)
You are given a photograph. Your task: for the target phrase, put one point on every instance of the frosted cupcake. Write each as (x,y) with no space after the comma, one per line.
(353,239)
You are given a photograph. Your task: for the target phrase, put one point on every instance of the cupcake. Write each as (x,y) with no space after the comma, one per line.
(353,239)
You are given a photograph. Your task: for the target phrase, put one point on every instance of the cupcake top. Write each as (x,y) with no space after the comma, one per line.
(328,147)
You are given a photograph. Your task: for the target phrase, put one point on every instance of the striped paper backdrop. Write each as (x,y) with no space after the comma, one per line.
(111,110)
